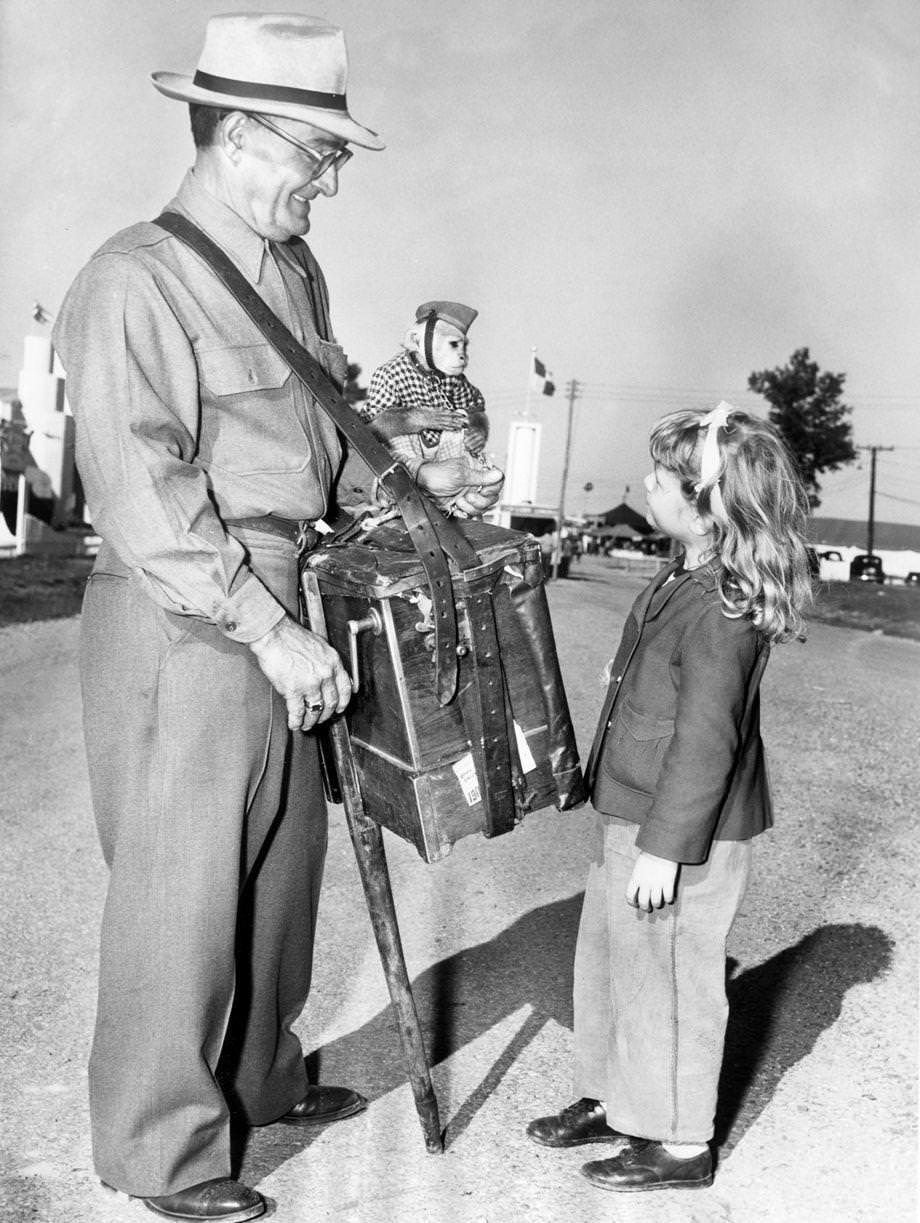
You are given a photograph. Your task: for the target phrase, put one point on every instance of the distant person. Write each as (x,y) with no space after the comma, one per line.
(678,781)
(208,468)
(423,406)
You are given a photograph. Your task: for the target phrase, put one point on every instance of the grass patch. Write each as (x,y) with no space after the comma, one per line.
(47,588)
(41,587)
(865,605)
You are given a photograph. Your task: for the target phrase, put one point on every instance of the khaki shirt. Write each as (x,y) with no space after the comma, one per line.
(186,418)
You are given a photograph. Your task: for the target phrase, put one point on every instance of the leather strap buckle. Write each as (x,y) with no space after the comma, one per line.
(306,539)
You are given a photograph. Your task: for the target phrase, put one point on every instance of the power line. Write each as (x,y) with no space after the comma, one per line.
(892,497)
(891,402)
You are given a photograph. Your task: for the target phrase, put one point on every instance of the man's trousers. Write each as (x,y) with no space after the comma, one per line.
(212,819)
(650,1002)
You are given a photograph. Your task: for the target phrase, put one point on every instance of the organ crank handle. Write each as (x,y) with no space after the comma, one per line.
(372,621)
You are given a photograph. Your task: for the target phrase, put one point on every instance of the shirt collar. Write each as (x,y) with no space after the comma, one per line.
(244,246)
(707,574)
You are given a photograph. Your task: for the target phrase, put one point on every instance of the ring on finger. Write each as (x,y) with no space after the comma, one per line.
(316,707)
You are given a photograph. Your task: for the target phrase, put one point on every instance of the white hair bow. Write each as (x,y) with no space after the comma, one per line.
(710,459)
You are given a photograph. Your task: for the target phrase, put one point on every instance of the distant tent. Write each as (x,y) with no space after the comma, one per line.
(624,515)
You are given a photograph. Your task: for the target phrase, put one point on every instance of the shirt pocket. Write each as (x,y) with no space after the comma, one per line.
(241,369)
(334,361)
(635,747)
(250,421)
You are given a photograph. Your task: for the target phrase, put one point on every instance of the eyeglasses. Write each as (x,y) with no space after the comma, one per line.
(319,162)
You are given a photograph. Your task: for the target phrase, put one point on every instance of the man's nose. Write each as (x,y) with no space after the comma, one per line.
(328,182)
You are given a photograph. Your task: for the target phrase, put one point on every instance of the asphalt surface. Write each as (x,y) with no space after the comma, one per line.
(817,1119)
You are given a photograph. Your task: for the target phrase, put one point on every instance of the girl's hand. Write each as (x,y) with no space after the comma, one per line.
(653,882)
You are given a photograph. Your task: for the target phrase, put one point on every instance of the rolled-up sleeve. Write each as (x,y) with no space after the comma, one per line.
(714,685)
(132,382)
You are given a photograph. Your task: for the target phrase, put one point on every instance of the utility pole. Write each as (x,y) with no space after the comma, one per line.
(873,451)
(572,391)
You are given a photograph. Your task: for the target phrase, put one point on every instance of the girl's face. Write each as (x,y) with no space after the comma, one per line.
(671,512)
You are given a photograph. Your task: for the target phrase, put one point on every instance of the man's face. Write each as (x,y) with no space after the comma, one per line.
(449,348)
(274,181)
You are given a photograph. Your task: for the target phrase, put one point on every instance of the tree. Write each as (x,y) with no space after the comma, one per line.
(352,391)
(806,408)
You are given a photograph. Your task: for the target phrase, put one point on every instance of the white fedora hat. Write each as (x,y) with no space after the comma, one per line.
(274,64)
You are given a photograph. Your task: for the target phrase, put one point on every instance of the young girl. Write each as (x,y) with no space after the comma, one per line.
(677,777)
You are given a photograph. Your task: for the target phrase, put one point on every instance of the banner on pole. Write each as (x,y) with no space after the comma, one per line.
(541,379)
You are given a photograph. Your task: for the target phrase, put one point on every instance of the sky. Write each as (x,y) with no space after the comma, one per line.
(659,196)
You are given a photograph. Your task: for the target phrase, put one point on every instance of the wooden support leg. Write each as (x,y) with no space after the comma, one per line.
(367,839)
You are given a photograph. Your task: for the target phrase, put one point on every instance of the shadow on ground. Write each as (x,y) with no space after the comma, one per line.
(780,1008)
(778,1011)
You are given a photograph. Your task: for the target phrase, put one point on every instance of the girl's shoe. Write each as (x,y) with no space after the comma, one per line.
(579,1123)
(644,1164)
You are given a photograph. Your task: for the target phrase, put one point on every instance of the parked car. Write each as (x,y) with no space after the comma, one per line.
(866,567)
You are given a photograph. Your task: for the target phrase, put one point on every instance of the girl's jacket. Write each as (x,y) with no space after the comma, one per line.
(678,748)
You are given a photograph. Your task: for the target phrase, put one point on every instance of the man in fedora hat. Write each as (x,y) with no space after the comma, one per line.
(206,466)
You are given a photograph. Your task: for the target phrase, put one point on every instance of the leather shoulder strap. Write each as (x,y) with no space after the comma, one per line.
(433,535)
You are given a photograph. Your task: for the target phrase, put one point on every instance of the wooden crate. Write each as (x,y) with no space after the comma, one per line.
(504,745)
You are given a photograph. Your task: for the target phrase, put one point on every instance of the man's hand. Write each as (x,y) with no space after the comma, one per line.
(473,488)
(653,882)
(307,672)
(482,493)
(444,477)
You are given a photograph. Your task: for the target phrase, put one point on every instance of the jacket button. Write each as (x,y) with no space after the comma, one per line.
(231,626)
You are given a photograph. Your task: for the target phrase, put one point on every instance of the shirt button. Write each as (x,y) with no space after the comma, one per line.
(231,626)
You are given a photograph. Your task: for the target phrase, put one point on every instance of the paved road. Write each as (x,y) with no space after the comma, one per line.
(818,1114)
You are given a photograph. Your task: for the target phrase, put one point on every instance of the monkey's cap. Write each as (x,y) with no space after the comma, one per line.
(458,315)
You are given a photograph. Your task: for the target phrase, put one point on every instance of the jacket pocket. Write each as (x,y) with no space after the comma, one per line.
(635,746)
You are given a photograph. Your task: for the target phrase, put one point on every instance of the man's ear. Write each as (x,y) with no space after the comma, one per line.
(232,133)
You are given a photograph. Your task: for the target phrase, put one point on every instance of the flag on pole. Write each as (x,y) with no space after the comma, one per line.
(541,379)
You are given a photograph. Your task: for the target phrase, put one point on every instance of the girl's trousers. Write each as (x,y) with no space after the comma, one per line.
(650,1002)
(213,822)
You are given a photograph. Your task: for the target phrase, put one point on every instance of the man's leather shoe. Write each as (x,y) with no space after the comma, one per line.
(221,1200)
(582,1122)
(324,1104)
(647,1165)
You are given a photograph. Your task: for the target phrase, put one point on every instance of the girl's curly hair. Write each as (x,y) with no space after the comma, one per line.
(756,506)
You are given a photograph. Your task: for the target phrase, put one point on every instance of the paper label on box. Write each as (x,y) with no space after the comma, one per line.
(523,747)
(465,770)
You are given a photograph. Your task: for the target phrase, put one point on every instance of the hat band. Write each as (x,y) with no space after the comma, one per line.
(270,93)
